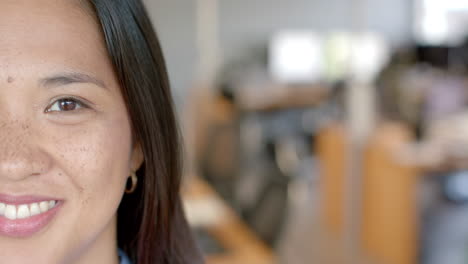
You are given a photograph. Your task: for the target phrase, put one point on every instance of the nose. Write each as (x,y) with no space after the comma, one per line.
(20,153)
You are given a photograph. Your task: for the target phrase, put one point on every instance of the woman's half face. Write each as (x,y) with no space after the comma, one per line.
(65,135)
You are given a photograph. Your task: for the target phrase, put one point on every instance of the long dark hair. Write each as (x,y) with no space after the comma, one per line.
(151,224)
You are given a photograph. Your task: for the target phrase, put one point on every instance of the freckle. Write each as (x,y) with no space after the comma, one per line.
(10,79)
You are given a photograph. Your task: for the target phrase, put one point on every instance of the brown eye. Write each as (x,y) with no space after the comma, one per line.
(65,105)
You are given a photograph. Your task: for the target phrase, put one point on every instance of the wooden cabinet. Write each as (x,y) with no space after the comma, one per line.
(389,216)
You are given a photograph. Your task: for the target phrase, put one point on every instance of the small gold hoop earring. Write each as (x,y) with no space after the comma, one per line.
(134,180)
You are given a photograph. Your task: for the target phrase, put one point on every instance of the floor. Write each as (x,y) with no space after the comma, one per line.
(304,241)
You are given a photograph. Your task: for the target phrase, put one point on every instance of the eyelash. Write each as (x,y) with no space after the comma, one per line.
(80,105)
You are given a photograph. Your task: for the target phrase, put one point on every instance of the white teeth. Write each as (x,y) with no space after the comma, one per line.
(35,210)
(10,212)
(23,212)
(44,206)
(2,208)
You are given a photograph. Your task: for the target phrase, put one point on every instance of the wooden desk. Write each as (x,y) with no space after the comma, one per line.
(273,96)
(205,208)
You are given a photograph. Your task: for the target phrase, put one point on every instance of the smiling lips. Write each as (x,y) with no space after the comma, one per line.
(23,211)
(24,216)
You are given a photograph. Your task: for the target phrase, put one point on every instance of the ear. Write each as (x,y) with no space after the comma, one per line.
(137,157)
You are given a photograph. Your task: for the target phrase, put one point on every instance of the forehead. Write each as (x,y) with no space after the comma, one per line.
(52,33)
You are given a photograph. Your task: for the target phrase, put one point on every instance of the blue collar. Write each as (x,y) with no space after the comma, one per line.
(123,257)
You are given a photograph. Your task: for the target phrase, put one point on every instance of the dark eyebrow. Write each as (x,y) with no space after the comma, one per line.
(69,78)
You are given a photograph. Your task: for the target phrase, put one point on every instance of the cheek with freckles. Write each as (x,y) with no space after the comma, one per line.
(94,161)
(96,157)
(88,165)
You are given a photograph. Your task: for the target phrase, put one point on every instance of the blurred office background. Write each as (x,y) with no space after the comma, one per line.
(322,131)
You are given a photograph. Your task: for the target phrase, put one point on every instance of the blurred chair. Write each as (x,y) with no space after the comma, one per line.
(331,149)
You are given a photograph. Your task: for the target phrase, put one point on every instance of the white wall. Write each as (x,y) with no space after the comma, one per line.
(245,23)
(174,22)
(250,23)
